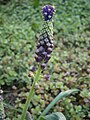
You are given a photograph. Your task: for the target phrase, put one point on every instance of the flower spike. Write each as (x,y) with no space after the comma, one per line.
(45,40)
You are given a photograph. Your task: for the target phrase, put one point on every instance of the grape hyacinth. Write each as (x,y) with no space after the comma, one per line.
(43,51)
(45,40)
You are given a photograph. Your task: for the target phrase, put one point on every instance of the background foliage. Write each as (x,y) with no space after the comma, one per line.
(20,23)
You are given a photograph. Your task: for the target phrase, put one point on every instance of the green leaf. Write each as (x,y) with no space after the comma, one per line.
(58,97)
(54,116)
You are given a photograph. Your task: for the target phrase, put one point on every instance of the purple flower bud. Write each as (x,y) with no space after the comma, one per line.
(43,66)
(33,69)
(38,59)
(41,42)
(44,54)
(51,38)
(48,44)
(37,51)
(38,45)
(47,76)
(41,49)
(46,40)
(45,35)
(48,56)
(51,45)
(49,50)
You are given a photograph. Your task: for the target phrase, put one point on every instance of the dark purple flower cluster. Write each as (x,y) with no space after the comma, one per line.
(48,12)
(44,49)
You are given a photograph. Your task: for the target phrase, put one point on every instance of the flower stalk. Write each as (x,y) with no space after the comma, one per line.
(30,94)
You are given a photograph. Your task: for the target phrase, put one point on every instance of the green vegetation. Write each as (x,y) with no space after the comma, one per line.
(20,22)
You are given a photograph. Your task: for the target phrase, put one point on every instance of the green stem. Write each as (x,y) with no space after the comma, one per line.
(30,94)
